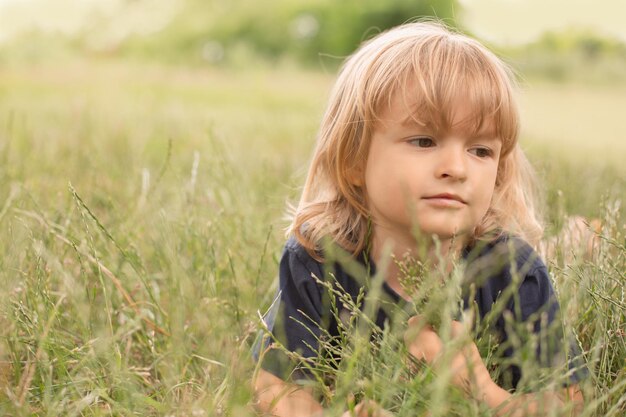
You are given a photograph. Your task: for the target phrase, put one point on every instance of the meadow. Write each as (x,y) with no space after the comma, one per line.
(142,216)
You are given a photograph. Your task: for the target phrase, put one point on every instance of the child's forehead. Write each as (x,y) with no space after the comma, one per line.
(409,108)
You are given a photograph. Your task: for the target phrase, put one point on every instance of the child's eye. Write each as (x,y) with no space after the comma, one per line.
(481,152)
(424,142)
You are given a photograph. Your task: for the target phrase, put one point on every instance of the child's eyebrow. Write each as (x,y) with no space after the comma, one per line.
(481,130)
(484,134)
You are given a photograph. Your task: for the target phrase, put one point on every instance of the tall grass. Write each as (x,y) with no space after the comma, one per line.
(140,225)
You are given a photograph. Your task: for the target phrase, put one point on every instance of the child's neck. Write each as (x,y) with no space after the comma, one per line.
(429,253)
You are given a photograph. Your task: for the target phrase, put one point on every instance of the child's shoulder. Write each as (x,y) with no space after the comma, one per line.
(495,265)
(297,263)
(296,250)
(504,257)
(504,248)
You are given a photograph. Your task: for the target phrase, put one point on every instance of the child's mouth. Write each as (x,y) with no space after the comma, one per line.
(445,200)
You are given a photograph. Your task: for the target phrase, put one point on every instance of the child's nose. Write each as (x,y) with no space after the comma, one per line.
(452,163)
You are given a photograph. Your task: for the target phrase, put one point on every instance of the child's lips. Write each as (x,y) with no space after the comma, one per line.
(445,200)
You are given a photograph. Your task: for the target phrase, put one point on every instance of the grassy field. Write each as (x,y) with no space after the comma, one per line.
(141,217)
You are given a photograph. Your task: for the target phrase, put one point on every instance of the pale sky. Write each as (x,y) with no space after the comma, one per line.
(72,16)
(497,21)
(519,21)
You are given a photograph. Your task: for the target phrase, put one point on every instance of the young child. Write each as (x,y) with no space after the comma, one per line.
(420,138)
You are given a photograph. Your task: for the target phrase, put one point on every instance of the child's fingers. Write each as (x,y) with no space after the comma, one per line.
(416,325)
(369,408)
(421,340)
(459,329)
(461,333)
(417,321)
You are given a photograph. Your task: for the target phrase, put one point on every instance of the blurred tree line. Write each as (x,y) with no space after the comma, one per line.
(572,55)
(320,33)
(313,33)
(306,31)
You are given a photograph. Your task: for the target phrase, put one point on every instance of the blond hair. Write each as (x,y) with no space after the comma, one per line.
(442,65)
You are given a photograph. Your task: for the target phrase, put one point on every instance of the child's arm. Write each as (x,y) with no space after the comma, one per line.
(535,404)
(467,371)
(281,399)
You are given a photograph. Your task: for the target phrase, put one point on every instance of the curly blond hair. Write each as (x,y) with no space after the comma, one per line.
(442,64)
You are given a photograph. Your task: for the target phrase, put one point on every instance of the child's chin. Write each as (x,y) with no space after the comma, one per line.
(445,232)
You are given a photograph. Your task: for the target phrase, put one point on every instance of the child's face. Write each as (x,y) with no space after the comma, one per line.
(443,180)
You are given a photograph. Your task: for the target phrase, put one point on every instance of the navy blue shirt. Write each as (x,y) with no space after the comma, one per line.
(503,277)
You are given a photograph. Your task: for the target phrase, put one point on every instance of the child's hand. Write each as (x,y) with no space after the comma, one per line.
(464,364)
(367,408)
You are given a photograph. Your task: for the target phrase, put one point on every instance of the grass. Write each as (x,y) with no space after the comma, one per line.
(141,222)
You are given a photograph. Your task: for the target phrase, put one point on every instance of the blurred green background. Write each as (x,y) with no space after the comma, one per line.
(559,39)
